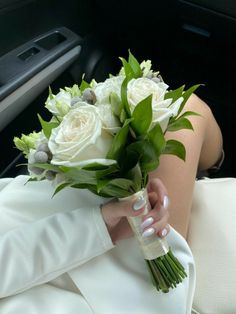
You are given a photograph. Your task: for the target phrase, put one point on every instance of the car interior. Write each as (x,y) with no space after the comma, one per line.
(55,43)
(52,43)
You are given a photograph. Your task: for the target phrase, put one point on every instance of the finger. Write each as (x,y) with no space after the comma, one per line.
(164,232)
(153,199)
(155,221)
(115,210)
(159,211)
(155,185)
(159,228)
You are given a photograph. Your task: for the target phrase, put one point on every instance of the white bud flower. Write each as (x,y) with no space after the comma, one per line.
(41,157)
(35,170)
(43,148)
(89,96)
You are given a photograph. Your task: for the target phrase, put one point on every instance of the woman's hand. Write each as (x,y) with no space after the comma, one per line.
(115,214)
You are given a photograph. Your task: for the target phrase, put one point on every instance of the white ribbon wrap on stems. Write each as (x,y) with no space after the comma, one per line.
(152,246)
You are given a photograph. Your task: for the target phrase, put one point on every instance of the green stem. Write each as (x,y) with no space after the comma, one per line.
(166,276)
(158,277)
(176,261)
(170,270)
(152,275)
(176,268)
(166,272)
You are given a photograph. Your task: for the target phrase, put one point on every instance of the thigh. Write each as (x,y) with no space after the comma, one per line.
(203,147)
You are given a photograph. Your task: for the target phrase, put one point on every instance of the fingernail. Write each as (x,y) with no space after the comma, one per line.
(164,232)
(140,202)
(165,202)
(148,232)
(147,222)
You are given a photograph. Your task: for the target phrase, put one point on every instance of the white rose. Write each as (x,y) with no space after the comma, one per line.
(59,104)
(80,139)
(163,115)
(109,120)
(139,89)
(104,89)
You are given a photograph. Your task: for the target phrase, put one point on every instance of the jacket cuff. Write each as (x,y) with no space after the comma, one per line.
(45,249)
(102,229)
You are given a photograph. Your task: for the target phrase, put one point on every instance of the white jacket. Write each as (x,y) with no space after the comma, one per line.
(56,257)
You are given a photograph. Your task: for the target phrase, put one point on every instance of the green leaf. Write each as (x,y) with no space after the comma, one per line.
(136,148)
(142,116)
(135,66)
(60,187)
(46,166)
(157,139)
(50,94)
(122,183)
(131,67)
(81,176)
(84,85)
(105,173)
(93,166)
(118,188)
(90,187)
(74,90)
(149,165)
(135,175)
(118,143)
(47,126)
(124,99)
(128,69)
(148,158)
(186,96)
(176,148)
(116,105)
(190,113)
(123,116)
(101,184)
(33,180)
(179,124)
(131,158)
(175,94)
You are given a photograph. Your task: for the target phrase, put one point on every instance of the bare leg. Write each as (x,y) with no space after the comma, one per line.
(203,149)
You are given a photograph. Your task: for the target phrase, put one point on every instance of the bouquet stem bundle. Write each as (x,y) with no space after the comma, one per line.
(166,272)
(164,268)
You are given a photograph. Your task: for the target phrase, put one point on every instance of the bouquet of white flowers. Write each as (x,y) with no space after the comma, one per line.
(106,137)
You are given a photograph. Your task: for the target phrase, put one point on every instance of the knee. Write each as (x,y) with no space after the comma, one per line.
(208,129)
(196,104)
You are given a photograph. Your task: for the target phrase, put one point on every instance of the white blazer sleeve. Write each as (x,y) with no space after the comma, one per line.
(37,252)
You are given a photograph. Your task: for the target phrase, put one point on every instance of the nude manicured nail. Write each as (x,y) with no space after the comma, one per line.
(148,232)
(165,202)
(147,222)
(164,232)
(140,203)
